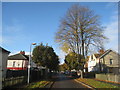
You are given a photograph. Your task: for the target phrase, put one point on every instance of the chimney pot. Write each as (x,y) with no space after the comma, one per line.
(22,52)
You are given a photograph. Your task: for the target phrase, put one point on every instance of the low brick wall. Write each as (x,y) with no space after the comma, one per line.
(108,77)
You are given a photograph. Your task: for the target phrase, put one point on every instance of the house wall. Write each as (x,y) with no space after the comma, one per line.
(92,62)
(0,68)
(114,57)
(4,64)
(105,63)
(19,64)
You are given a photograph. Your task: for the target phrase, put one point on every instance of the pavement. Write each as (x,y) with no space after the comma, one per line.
(63,81)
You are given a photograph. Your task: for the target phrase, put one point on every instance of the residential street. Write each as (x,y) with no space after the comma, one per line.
(62,81)
(59,45)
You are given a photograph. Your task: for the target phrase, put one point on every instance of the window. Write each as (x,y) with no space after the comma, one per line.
(111,61)
(18,64)
(14,64)
(92,57)
(110,70)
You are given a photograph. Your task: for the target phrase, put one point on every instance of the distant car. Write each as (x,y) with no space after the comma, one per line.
(62,72)
(66,72)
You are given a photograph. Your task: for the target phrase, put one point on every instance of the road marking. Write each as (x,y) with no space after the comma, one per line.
(84,84)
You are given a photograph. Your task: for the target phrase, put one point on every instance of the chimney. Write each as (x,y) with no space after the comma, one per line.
(22,52)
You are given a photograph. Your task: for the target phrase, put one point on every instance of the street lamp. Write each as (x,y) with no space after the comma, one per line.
(29,63)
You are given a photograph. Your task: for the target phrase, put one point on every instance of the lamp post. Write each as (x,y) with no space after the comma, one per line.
(29,63)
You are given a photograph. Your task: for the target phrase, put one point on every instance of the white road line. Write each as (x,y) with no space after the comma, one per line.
(84,84)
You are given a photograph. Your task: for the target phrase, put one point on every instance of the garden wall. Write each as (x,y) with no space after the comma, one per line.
(109,77)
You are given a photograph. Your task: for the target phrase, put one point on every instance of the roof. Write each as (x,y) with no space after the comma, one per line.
(4,50)
(18,57)
(97,55)
(106,52)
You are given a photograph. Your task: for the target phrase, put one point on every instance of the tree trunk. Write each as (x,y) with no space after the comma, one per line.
(81,73)
(82,42)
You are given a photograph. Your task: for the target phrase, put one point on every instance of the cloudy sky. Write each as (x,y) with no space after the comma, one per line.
(26,22)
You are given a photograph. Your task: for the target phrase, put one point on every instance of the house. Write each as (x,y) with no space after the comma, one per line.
(107,62)
(3,64)
(18,61)
(86,64)
(93,63)
(110,62)
(86,67)
(3,61)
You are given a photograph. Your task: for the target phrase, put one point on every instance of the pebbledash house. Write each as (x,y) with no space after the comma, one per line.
(108,62)
(18,61)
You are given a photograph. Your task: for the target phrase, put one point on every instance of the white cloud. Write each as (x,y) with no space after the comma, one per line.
(16,52)
(27,53)
(14,27)
(112,4)
(11,33)
(111,32)
(1,40)
(61,56)
(0,37)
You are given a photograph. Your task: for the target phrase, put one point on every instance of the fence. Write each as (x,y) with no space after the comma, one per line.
(89,74)
(109,77)
(7,82)
(16,73)
(20,77)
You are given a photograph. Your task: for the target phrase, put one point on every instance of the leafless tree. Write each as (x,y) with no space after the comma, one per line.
(80,29)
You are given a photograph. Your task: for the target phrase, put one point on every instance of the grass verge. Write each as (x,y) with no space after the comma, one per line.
(40,84)
(96,84)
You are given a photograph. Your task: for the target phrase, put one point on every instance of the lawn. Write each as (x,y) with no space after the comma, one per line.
(40,84)
(96,84)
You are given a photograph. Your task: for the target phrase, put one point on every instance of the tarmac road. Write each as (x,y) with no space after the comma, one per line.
(63,81)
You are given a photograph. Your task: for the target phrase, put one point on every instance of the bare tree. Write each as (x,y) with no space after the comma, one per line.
(80,30)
